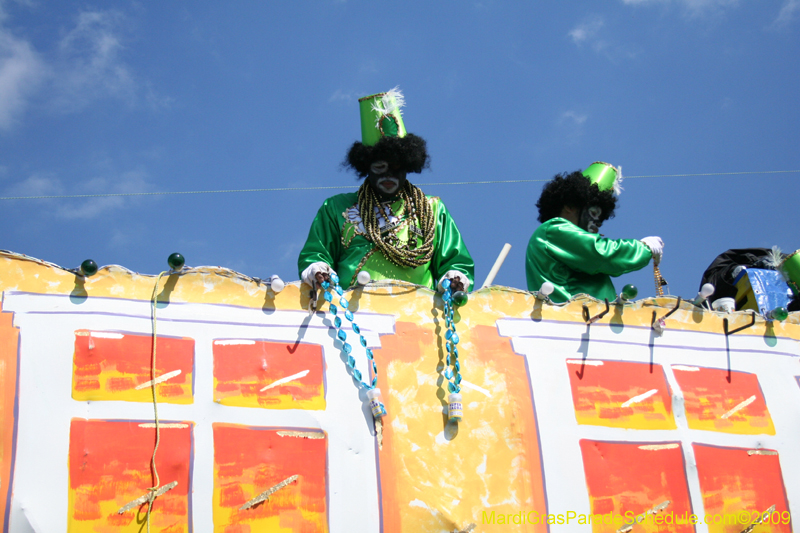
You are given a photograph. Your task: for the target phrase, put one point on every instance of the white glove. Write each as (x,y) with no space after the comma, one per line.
(450,274)
(656,246)
(309,274)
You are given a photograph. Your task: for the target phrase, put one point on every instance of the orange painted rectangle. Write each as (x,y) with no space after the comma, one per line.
(110,365)
(109,466)
(293,374)
(718,400)
(620,394)
(627,479)
(738,485)
(439,476)
(9,346)
(250,460)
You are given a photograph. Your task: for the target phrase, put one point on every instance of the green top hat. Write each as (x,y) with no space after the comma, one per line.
(606,176)
(380,116)
(790,267)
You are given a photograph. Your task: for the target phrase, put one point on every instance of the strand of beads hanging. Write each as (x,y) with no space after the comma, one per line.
(659,280)
(373,393)
(452,370)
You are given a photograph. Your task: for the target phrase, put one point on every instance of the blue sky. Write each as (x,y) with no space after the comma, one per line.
(126,97)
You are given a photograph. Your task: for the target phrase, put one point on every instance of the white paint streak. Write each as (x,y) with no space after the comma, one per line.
(164,426)
(159,379)
(656,447)
(472,386)
(420,503)
(739,407)
(286,380)
(267,493)
(106,335)
(762,452)
(140,500)
(302,434)
(582,362)
(234,342)
(99,334)
(399,426)
(686,368)
(481,470)
(637,399)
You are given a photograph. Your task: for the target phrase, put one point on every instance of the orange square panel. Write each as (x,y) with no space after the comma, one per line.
(272,375)
(620,394)
(718,400)
(108,365)
(109,467)
(9,345)
(626,480)
(737,485)
(251,460)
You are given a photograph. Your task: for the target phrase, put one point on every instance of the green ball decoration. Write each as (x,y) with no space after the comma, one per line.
(629,292)
(779,313)
(176,261)
(88,268)
(460,297)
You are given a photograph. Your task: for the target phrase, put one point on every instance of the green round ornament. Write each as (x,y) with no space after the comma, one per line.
(629,291)
(176,261)
(779,313)
(88,268)
(460,297)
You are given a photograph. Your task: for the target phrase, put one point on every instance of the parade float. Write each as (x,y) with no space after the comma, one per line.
(205,400)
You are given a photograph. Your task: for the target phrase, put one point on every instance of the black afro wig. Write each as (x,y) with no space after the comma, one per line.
(574,190)
(409,153)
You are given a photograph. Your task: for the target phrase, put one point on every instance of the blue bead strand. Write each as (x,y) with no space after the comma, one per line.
(378,409)
(453,375)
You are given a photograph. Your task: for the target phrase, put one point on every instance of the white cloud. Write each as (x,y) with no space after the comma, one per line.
(120,240)
(83,208)
(340,96)
(586,31)
(290,251)
(89,65)
(788,12)
(592,33)
(128,182)
(570,127)
(21,71)
(571,117)
(693,7)
(89,208)
(36,185)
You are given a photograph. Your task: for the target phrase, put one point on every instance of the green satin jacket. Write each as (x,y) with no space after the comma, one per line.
(337,238)
(576,261)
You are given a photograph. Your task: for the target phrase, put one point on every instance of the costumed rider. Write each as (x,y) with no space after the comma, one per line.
(723,273)
(389,228)
(567,250)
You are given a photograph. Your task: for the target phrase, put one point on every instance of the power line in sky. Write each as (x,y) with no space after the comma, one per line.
(341,187)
